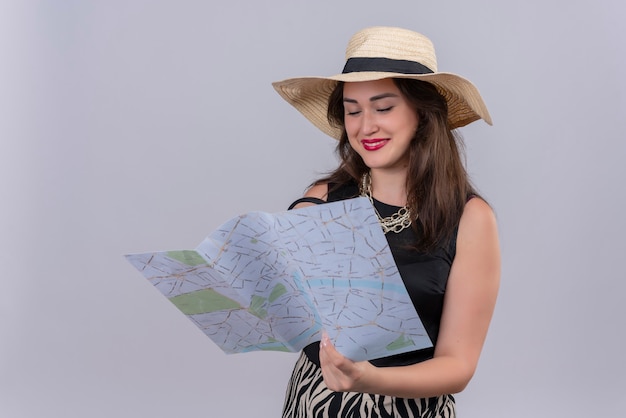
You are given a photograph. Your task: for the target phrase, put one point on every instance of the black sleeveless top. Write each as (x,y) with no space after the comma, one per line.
(425,276)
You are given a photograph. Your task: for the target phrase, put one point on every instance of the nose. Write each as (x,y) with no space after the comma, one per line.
(369,125)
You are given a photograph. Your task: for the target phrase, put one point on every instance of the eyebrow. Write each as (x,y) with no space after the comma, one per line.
(373,98)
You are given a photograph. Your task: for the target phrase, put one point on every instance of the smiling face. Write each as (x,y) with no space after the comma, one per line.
(380,123)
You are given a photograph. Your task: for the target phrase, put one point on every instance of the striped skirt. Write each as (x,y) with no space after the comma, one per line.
(308,397)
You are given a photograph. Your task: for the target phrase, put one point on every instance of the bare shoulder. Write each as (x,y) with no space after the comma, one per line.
(477,243)
(317,191)
(477,216)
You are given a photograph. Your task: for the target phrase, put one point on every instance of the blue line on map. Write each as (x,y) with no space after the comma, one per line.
(371,284)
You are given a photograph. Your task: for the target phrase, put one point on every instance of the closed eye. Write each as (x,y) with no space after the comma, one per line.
(386,109)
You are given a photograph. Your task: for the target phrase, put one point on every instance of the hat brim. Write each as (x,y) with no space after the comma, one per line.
(309,95)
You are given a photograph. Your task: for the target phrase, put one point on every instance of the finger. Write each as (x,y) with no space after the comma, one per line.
(330,359)
(325,346)
(328,350)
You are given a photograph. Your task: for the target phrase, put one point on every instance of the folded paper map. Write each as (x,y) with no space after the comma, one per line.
(266,281)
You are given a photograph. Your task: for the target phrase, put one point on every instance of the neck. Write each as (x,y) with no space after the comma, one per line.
(389,187)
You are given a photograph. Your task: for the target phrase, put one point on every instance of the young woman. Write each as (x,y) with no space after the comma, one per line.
(394,116)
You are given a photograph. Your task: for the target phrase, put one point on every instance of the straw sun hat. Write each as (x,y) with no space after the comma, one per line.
(384,52)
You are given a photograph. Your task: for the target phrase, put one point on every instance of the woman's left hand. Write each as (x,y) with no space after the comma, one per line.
(340,373)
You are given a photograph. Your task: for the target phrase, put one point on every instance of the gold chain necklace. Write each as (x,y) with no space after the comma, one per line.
(394,223)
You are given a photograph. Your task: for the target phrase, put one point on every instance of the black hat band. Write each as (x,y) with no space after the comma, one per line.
(386,65)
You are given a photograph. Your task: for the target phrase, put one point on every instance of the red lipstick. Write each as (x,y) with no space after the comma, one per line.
(374,144)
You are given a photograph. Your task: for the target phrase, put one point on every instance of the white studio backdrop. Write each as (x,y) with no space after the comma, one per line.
(131,126)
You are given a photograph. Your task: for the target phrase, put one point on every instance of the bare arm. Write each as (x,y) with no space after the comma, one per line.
(469,303)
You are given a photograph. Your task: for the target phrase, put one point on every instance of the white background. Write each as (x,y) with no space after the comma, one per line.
(130,126)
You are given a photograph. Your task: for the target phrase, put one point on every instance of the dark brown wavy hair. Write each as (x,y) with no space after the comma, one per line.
(437,183)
